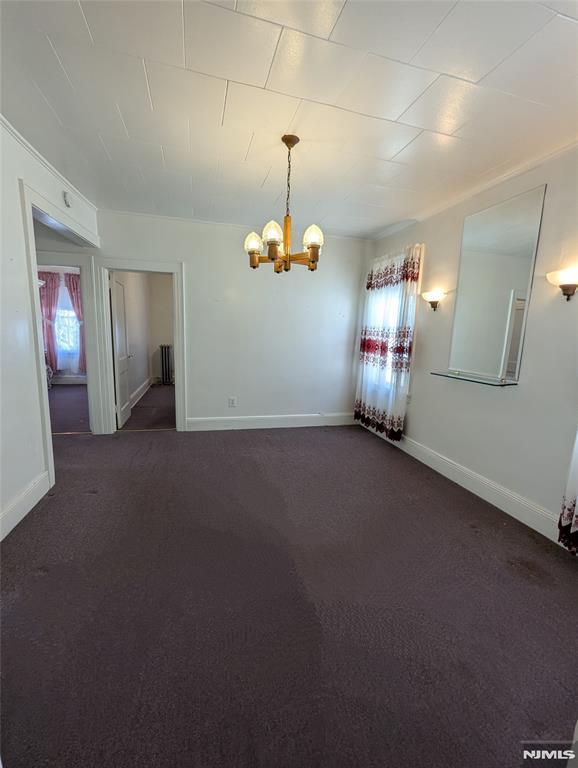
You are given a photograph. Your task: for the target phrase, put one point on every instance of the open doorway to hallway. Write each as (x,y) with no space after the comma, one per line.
(64,348)
(142,306)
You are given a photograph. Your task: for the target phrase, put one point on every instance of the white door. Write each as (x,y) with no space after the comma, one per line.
(120,351)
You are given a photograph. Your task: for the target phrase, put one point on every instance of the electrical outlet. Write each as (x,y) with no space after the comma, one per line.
(233,401)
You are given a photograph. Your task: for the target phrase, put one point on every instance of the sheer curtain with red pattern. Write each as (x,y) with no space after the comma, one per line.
(387,342)
(568,523)
(72,283)
(49,288)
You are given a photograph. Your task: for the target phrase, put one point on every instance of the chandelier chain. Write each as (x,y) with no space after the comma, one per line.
(288,181)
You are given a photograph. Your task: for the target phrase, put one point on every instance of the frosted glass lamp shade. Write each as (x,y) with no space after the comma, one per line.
(436,295)
(566,280)
(272,233)
(253,243)
(563,277)
(313,236)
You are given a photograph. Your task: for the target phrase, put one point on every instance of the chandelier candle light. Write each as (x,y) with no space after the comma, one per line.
(278,241)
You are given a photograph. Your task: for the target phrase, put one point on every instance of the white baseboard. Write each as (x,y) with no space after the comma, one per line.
(19,507)
(139,392)
(80,379)
(205,424)
(525,510)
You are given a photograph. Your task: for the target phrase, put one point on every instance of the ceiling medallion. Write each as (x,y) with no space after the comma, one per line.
(279,241)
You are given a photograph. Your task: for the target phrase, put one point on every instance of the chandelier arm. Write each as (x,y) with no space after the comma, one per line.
(288,180)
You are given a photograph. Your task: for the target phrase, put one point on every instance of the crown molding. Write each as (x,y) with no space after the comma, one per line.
(7,125)
(518,170)
(207,223)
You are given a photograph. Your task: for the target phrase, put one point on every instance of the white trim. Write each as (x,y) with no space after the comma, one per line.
(67,379)
(19,507)
(523,509)
(139,392)
(210,423)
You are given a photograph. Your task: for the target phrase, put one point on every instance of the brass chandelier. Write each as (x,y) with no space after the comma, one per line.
(279,241)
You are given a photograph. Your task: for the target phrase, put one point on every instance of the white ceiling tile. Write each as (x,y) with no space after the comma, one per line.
(521,134)
(72,100)
(316,17)
(311,68)
(449,103)
(155,128)
(371,170)
(432,151)
(101,75)
(153,30)
(202,166)
(373,194)
(392,28)
(230,4)
(179,92)
(359,134)
(60,19)
(226,44)
(259,109)
(543,69)
(420,178)
(383,88)
(565,7)
(353,173)
(135,154)
(171,191)
(448,156)
(477,35)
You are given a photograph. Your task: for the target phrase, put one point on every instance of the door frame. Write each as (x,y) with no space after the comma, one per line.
(123,410)
(32,200)
(101,283)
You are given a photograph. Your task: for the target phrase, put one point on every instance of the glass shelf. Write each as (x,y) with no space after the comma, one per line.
(464,376)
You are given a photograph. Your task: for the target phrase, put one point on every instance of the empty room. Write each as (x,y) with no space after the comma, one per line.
(289,383)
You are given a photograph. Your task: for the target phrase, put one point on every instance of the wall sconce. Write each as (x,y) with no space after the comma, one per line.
(434,297)
(566,280)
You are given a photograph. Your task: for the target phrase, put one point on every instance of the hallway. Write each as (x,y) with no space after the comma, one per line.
(155,410)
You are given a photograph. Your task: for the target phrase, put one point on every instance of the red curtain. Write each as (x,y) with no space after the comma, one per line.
(72,282)
(48,305)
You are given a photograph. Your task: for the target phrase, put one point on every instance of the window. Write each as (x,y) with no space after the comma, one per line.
(67,332)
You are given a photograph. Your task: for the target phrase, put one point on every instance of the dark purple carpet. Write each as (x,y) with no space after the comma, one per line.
(68,405)
(155,409)
(306,598)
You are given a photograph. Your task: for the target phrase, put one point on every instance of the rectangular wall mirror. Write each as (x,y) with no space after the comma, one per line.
(497,265)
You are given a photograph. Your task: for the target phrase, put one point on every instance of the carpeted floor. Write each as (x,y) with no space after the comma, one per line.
(68,405)
(298,598)
(155,409)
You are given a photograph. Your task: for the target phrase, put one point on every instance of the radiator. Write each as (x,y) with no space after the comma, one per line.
(166,364)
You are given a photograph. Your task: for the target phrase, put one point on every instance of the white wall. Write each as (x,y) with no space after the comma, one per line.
(282,344)
(518,438)
(160,318)
(24,465)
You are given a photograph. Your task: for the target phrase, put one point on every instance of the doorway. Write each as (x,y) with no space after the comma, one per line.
(142,307)
(63,349)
